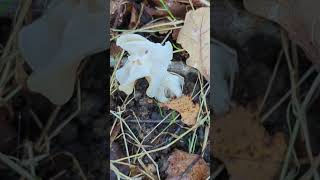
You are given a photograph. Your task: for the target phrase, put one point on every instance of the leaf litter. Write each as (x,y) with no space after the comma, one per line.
(152,127)
(245,147)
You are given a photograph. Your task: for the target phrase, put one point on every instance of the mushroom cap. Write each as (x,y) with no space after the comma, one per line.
(149,60)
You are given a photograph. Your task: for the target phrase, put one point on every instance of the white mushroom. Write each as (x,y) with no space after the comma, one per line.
(55,44)
(149,60)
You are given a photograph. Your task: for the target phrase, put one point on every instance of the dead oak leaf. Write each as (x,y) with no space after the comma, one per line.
(195,39)
(187,109)
(245,147)
(303,28)
(184,166)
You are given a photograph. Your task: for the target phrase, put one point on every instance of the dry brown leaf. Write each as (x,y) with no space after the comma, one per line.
(245,147)
(300,18)
(185,166)
(134,20)
(177,9)
(187,109)
(195,39)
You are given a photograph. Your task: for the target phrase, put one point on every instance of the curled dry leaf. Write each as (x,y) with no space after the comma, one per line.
(185,166)
(195,39)
(187,109)
(245,147)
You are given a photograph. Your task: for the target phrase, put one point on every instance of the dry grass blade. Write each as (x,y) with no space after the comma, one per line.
(296,128)
(22,14)
(14,166)
(301,109)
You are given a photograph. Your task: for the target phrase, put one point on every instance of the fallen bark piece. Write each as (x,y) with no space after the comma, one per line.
(185,166)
